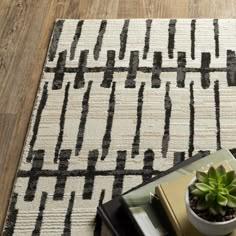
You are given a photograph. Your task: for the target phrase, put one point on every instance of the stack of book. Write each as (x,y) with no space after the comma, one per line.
(157,207)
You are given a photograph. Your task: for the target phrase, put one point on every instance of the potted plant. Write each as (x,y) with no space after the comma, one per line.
(211,201)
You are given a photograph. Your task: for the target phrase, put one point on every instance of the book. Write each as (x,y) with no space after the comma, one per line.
(140,196)
(115,220)
(142,218)
(172,196)
(114,214)
(144,214)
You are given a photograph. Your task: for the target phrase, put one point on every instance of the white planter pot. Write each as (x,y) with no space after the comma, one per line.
(207,227)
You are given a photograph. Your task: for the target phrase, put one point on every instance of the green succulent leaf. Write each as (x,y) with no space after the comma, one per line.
(232,190)
(231,185)
(197,192)
(220,209)
(210,197)
(201,205)
(213,184)
(222,179)
(221,200)
(233,182)
(231,201)
(212,173)
(223,191)
(202,177)
(229,177)
(204,187)
(213,210)
(220,170)
(215,190)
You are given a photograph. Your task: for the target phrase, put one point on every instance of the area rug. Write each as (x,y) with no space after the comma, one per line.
(120,101)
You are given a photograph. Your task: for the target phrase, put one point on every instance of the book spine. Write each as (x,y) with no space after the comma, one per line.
(169,211)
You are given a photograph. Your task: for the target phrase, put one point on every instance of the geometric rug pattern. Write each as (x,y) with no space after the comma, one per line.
(120,101)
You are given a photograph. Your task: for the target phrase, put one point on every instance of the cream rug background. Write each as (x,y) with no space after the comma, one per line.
(119,101)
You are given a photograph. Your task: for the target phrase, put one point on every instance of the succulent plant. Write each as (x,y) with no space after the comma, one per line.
(215,190)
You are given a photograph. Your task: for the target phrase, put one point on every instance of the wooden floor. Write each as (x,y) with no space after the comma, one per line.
(25,30)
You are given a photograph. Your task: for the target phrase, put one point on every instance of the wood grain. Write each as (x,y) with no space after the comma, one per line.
(212,9)
(25,30)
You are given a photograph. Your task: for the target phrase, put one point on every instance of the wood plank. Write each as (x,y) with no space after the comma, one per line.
(7,122)
(153,9)
(25,30)
(99,9)
(18,45)
(16,42)
(7,161)
(212,9)
(131,9)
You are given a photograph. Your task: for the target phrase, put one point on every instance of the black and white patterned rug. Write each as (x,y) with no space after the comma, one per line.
(119,101)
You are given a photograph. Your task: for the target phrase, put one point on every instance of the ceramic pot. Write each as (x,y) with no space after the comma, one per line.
(207,227)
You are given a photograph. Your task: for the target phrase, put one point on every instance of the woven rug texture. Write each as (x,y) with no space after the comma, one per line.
(120,101)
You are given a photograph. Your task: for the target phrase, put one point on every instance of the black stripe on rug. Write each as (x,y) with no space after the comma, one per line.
(83,119)
(231,68)
(39,220)
(136,141)
(205,75)
(76,39)
(67,222)
(59,73)
(79,77)
(62,123)
(12,216)
(166,135)
(98,46)
(178,157)
(191,122)
(147,38)
(55,39)
(132,71)
(149,157)
(217,113)
(123,39)
(90,174)
(216,37)
(34,177)
(110,115)
(171,39)
(192,36)
(61,179)
(108,73)
(181,61)
(40,109)
(119,173)
(156,70)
